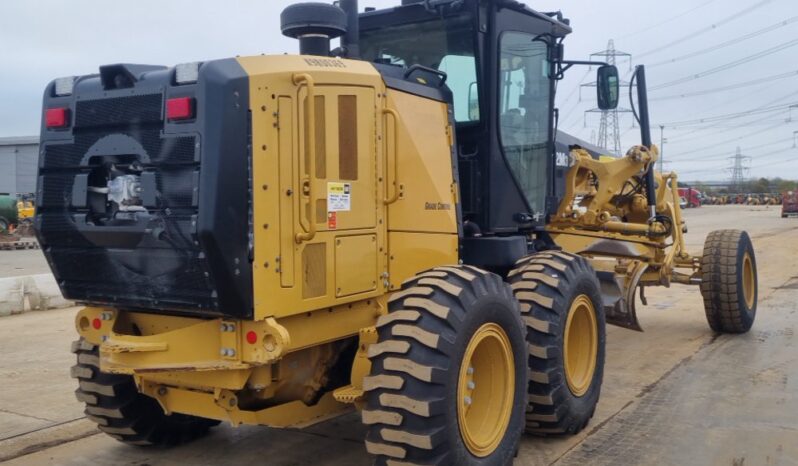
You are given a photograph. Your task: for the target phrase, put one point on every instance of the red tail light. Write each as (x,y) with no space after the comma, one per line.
(56,117)
(180,108)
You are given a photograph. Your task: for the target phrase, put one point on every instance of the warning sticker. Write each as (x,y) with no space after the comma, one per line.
(332,220)
(339,197)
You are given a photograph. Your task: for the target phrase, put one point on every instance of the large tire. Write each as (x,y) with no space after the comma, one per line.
(561,304)
(450,357)
(729,281)
(115,405)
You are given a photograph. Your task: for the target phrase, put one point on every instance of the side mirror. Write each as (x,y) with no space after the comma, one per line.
(608,84)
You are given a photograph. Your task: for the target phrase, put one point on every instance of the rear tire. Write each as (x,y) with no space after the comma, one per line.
(561,304)
(115,405)
(729,281)
(448,375)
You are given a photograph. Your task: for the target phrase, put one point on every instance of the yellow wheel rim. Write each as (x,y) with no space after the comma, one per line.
(485,390)
(749,281)
(581,345)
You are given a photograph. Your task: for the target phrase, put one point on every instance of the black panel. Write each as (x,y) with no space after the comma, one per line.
(496,253)
(120,110)
(395,77)
(224,220)
(183,245)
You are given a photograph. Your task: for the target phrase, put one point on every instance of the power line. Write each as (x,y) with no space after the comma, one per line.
(726,88)
(727,66)
(731,116)
(724,154)
(734,41)
(680,138)
(576,88)
(712,146)
(666,21)
(704,131)
(709,28)
(775,163)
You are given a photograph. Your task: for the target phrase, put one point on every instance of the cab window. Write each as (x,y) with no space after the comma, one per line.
(524,113)
(445,44)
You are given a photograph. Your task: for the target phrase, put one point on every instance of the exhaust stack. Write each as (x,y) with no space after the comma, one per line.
(350,41)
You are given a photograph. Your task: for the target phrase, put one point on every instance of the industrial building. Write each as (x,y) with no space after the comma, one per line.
(18,161)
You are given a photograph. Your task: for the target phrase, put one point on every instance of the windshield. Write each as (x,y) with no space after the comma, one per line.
(445,44)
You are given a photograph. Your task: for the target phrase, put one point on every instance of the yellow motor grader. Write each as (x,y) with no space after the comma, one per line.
(391,226)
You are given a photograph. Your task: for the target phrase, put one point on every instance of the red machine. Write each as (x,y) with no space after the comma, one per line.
(691,196)
(789,203)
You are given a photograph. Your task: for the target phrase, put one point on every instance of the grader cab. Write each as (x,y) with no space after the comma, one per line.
(390,226)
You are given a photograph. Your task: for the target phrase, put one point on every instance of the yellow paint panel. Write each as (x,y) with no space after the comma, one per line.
(423,171)
(355,264)
(411,253)
(287,153)
(287,198)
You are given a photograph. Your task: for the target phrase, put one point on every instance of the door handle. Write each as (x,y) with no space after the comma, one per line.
(307,183)
(393,198)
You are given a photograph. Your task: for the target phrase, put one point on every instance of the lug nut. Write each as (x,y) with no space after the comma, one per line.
(467,401)
(471,385)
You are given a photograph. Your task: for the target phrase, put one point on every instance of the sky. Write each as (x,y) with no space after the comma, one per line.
(689,47)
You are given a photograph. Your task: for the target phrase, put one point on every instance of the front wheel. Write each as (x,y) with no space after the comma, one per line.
(448,375)
(729,282)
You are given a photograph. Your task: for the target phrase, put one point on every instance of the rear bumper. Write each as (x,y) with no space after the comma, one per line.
(210,367)
(140,344)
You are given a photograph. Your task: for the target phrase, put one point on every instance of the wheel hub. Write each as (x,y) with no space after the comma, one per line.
(580,347)
(485,390)
(749,282)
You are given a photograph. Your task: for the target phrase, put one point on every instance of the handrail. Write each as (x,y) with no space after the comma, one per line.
(310,148)
(395,196)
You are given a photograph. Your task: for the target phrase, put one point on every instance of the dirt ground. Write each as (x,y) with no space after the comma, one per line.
(676,394)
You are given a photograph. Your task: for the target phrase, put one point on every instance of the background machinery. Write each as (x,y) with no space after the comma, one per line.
(389,226)
(789,204)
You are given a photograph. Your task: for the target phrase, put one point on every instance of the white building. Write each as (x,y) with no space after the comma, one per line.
(19,159)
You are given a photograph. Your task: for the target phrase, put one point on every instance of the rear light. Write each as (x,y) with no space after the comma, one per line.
(56,117)
(180,108)
(96,323)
